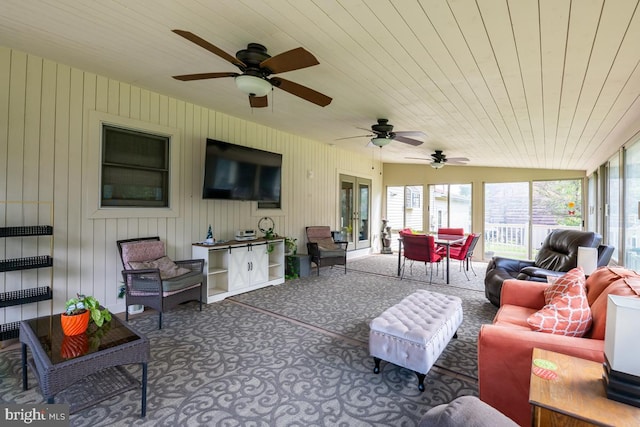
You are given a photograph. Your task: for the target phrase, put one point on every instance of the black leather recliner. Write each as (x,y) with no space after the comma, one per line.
(558,254)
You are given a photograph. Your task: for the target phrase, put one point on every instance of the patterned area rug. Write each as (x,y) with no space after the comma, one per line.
(288,355)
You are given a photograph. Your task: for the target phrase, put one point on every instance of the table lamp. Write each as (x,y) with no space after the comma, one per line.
(587,259)
(621,349)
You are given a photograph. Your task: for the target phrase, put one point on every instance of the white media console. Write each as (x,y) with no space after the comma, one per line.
(235,267)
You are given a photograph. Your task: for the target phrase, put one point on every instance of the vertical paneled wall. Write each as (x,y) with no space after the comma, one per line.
(44,108)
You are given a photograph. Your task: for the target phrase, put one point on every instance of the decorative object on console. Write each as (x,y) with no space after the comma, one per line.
(266,226)
(587,259)
(621,348)
(210,240)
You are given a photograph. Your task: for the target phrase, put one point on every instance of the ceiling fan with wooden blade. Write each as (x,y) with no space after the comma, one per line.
(382,134)
(256,65)
(439,159)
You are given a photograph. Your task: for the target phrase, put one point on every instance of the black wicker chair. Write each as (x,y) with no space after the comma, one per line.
(323,250)
(153,280)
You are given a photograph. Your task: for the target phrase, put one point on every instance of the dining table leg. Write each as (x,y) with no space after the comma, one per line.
(399,255)
(448,253)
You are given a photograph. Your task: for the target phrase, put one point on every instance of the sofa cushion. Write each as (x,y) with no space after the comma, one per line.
(513,316)
(567,314)
(625,286)
(600,279)
(168,269)
(561,285)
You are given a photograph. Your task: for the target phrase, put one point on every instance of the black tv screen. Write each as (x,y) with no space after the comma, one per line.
(236,172)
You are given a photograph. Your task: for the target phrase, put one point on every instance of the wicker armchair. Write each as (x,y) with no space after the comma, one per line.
(323,250)
(153,280)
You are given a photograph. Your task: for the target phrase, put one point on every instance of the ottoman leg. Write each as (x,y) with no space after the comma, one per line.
(376,369)
(420,381)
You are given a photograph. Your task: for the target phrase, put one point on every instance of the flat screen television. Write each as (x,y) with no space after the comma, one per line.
(236,172)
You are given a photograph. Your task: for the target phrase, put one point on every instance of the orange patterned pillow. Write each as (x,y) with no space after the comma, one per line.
(567,314)
(561,285)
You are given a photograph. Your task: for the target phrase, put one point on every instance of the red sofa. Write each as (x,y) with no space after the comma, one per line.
(505,346)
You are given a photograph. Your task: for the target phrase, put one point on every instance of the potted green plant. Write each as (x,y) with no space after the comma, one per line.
(290,245)
(79,311)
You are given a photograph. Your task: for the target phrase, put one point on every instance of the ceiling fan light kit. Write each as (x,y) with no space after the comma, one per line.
(380,141)
(252,85)
(437,165)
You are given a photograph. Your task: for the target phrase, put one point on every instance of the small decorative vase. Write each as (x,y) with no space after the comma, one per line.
(75,324)
(74,346)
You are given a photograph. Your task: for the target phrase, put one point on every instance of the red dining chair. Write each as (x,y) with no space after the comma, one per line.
(419,247)
(442,250)
(464,253)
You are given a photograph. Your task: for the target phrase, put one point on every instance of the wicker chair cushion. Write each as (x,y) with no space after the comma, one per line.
(168,269)
(164,294)
(182,282)
(141,251)
(150,286)
(327,244)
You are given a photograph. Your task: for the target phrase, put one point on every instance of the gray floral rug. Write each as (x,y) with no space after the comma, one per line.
(288,355)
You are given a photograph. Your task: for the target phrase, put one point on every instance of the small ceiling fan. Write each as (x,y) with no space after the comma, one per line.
(256,65)
(382,134)
(439,159)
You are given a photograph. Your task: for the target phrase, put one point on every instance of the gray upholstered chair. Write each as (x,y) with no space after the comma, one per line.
(153,280)
(323,250)
(465,411)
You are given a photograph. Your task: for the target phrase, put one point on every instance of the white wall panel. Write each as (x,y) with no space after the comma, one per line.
(45,107)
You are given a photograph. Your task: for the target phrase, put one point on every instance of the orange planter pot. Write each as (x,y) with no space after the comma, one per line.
(76,324)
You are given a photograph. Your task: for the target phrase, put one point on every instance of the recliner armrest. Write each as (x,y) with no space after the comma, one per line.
(538,274)
(510,264)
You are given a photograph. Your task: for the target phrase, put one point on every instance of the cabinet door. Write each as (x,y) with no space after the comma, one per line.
(248,266)
(259,258)
(239,268)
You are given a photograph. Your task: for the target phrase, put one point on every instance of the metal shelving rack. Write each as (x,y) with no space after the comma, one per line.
(15,234)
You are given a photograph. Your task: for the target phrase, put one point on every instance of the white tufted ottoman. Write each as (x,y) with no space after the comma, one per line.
(414,332)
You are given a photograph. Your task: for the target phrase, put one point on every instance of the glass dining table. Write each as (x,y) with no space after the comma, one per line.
(445,240)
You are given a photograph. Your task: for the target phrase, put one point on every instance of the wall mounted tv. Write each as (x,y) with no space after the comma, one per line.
(236,172)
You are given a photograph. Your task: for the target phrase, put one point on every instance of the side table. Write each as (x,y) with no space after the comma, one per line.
(576,397)
(299,263)
(87,368)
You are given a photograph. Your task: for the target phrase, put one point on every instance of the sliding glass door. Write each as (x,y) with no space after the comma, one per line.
(612,206)
(632,207)
(450,206)
(506,220)
(405,209)
(554,204)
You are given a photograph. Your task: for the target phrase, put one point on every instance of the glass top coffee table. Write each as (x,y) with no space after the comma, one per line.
(84,369)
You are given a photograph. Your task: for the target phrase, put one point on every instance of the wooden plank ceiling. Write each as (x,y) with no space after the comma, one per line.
(513,83)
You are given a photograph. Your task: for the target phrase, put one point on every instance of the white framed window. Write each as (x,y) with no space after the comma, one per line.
(132,168)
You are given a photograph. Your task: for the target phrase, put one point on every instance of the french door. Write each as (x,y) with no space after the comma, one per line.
(355,211)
